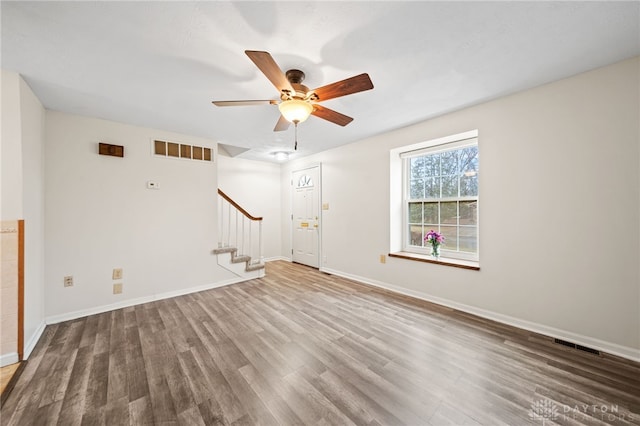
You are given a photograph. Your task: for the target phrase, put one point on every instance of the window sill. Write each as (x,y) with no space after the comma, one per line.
(456,263)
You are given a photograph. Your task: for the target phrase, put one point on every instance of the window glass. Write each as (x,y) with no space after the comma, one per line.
(442,194)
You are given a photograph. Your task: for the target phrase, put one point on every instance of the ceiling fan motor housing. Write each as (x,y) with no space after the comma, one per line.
(296,77)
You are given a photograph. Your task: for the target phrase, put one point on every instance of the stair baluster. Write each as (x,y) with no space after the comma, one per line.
(240,244)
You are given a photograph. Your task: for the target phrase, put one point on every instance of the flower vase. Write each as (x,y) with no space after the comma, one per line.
(435,251)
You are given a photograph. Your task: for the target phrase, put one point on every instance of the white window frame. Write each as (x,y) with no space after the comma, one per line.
(431,147)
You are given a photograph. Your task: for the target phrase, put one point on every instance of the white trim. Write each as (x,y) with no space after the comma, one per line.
(8,359)
(434,142)
(274,258)
(441,147)
(54,319)
(33,341)
(601,345)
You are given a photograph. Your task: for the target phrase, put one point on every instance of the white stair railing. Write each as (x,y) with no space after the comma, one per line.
(238,229)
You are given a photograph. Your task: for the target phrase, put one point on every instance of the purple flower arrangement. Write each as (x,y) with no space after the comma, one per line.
(434,239)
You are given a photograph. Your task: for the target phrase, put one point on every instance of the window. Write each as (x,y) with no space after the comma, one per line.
(441,193)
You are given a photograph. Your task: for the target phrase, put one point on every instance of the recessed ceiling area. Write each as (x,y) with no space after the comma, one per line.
(160,64)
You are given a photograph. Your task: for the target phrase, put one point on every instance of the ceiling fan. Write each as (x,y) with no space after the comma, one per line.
(297,101)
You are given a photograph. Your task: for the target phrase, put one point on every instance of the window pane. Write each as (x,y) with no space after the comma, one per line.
(432,187)
(431,213)
(415,235)
(468,213)
(469,171)
(469,184)
(416,189)
(450,186)
(449,213)
(469,239)
(449,163)
(415,212)
(417,168)
(450,234)
(469,159)
(432,165)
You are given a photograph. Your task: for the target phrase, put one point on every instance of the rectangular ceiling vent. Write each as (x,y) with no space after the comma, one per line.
(179,150)
(578,347)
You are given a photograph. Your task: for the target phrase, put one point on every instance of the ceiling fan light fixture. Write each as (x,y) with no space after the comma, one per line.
(295,110)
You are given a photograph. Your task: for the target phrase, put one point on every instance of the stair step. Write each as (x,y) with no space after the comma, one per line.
(240,258)
(255,267)
(225,250)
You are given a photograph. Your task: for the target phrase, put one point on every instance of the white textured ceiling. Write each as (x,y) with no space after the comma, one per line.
(160,64)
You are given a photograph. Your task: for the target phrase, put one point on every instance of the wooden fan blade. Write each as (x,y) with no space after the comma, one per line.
(331,115)
(244,103)
(356,84)
(282,124)
(265,62)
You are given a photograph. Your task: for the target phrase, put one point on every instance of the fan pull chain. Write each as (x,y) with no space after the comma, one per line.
(295,147)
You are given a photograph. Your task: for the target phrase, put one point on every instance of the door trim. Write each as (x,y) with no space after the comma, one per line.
(20,289)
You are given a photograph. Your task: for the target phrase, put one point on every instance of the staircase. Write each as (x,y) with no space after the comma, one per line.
(239,239)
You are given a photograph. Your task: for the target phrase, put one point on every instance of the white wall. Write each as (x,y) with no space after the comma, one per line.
(255,186)
(11,152)
(100,216)
(33,113)
(560,210)
(23,190)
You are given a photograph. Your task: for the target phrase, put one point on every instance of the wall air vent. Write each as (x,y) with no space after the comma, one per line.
(578,347)
(586,349)
(179,150)
(565,343)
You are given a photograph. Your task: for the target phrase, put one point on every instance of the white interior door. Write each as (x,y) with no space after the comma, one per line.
(306,216)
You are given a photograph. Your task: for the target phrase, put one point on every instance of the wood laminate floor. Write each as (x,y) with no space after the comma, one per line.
(8,377)
(6,374)
(302,347)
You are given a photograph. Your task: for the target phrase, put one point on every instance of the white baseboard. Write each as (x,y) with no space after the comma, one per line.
(54,319)
(601,345)
(274,258)
(8,359)
(33,340)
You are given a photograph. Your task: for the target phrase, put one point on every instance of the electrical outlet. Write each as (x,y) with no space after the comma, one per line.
(68,281)
(117,288)
(117,274)
(383,258)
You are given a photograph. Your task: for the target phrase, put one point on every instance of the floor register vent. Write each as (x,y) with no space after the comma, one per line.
(578,347)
